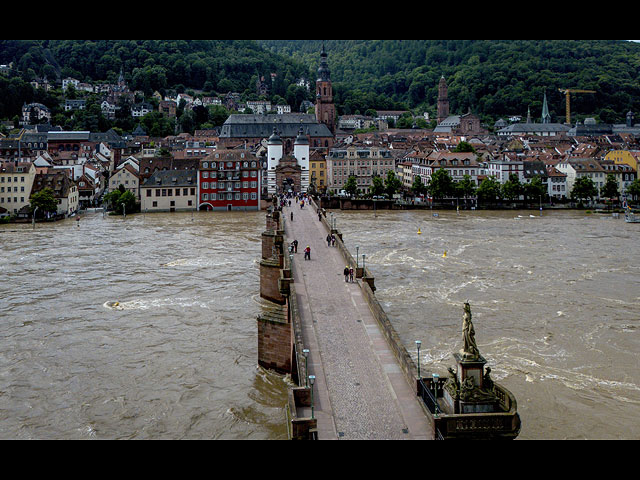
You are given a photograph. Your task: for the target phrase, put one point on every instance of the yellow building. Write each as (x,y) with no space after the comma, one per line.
(318,171)
(620,157)
(16,182)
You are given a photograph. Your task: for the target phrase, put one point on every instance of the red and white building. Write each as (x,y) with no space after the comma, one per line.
(229,180)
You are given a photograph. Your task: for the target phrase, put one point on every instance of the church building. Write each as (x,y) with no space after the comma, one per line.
(468,124)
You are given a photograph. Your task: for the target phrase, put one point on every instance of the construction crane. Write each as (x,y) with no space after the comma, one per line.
(568,93)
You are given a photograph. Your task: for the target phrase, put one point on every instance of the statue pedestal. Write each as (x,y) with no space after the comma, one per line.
(474,395)
(470,368)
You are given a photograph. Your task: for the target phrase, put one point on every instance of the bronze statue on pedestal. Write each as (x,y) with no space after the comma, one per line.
(470,350)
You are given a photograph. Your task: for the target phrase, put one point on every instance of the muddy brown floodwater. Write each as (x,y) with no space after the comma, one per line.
(143,328)
(555,299)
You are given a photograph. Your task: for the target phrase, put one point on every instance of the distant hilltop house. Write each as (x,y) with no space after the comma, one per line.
(74,105)
(5,69)
(393,115)
(35,113)
(141,109)
(361,122)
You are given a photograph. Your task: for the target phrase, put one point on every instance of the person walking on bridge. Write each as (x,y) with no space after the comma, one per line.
(346,274)
(307,253)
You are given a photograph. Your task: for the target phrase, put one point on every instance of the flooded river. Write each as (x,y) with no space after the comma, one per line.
(555,299)
(145,328)
(136,329)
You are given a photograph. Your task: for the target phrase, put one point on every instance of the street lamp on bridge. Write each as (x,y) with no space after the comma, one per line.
(312,381)
(418,345)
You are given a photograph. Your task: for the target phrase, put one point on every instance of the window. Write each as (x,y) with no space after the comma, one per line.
(148,193)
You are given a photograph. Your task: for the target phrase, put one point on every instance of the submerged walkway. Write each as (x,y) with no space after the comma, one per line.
(360,392)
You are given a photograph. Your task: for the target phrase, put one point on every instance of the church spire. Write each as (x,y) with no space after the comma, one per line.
(325,107)
(324,74)
(546,117)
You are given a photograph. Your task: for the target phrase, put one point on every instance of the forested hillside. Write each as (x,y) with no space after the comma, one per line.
(491,77)
(218,66)
(225,65)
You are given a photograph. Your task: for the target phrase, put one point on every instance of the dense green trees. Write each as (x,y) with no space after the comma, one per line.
(634,189)
(583,189)
(44,201)
(208,67)
(121,202)
(493,78)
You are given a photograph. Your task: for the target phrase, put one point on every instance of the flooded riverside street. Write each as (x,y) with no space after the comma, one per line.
(555,302)
(143,328)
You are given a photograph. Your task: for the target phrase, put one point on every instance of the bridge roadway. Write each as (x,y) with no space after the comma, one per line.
(360,391)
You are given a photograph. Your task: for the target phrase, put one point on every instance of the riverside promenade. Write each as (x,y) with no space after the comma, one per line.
(360,391)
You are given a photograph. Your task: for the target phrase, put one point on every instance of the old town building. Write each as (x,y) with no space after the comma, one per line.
(16,183)
(65,190)
(229,180)
(360,161)
(170,191)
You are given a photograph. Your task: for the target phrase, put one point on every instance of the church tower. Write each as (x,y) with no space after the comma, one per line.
(325,108)
(443,101)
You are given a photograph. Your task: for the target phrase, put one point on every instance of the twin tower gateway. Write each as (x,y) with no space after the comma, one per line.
(288,173)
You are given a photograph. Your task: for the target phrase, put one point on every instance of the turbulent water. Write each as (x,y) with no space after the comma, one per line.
(555,301)
(143,328)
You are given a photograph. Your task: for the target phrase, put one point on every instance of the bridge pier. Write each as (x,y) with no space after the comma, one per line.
(275,345)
